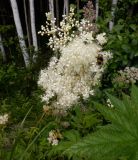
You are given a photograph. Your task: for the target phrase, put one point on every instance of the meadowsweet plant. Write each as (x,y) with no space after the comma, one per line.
(77,72)
(74,74)
(69,27)
(54,137)
(59,36)
(4,119)
(88,12)
(128,75)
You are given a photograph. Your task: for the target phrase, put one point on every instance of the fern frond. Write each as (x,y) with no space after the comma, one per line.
(116,140)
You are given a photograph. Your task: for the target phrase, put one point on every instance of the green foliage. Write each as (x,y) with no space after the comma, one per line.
(14,79)
(18,94)
(118,139)
(11,45)
(82,121)
(125,10)
(28,138)
(122,42)
(13,51)
(22,126)
(85,135)
(70,138)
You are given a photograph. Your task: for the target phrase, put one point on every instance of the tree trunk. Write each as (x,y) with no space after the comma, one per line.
(66,7)
(32,14)
(27,24)
(111,23)
(51,8)
(78,7)
(97,9)
(2,49)
(19,31)
(130,11)
(57,12)
(41,6)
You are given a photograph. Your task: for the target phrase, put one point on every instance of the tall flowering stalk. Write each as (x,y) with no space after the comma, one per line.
(59,36)
(77,72)
(89,12)
(69,27)
(90,15)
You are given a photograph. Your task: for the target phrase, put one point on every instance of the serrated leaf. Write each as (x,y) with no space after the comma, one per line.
(116,140)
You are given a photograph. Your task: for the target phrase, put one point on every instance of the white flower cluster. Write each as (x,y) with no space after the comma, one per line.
(59,36)
(73,76)
(101,38)
(54,136)
(68,29)
(85,25)
(129,74)
(109,104)
(4,119)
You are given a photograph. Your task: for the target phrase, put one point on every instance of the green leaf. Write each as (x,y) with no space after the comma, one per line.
(89,121)
(120,37)
(117,140)
(133,26)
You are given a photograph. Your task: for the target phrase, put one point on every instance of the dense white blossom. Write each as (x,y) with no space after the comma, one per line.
(74,74)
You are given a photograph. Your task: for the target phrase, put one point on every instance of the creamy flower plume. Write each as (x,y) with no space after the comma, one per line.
(74,75)
(68,29)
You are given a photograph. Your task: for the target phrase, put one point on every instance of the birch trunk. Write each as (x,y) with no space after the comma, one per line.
(2,49)
(27,24)
(51,8)
(111,23)
(66,7)
(97,9)
(19,31)
(32,14)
